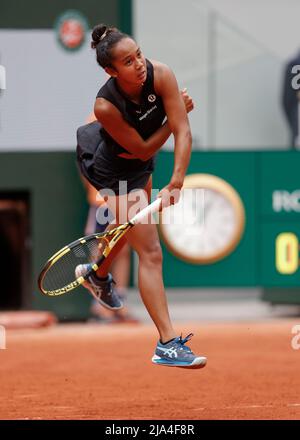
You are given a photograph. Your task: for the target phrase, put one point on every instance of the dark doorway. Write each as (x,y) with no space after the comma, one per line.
(14,250)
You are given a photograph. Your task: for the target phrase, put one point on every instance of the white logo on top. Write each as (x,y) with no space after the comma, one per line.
(151,98)
(148,112)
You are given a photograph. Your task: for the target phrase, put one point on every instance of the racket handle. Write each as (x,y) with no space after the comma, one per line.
(150,209)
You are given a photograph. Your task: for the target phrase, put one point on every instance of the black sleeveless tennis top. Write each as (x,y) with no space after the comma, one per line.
(145,117)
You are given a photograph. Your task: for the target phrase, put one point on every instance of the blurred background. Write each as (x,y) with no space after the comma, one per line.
(239,62)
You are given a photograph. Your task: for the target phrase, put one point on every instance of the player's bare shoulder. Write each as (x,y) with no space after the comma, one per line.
(162,74)
(102,105)
(103,108)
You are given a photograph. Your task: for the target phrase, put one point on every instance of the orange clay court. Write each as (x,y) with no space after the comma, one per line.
(90,371)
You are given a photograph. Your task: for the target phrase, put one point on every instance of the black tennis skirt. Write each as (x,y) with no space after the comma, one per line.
(118,175)
(120,185)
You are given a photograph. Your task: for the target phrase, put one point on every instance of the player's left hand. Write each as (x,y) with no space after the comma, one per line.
(187,100)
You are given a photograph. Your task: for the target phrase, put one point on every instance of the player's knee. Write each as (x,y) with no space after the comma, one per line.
(152,253)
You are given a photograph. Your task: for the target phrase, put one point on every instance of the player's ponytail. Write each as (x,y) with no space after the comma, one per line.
(104,39)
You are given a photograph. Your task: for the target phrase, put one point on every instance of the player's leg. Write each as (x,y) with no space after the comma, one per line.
(170,350)
(101,283)
(144,240)
(121,269)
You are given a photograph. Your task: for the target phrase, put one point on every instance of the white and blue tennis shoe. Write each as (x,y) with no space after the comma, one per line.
(101,289)
(176,354)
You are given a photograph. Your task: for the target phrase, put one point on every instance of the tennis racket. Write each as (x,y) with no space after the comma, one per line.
(59,273)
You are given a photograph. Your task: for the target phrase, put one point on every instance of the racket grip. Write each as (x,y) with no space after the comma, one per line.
(150,209)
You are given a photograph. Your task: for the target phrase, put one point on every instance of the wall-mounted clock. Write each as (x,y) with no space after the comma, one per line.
(207,223)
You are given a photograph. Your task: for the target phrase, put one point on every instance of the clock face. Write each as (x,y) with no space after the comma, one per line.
(207,222)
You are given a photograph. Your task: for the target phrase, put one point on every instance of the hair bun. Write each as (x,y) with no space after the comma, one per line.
(97,33)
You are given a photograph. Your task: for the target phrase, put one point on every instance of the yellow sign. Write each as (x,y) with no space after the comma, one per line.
(287,253)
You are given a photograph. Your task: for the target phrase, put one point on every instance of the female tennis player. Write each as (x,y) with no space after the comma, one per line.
(131,108)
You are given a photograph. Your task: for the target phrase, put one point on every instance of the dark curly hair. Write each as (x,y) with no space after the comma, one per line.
(104,38)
